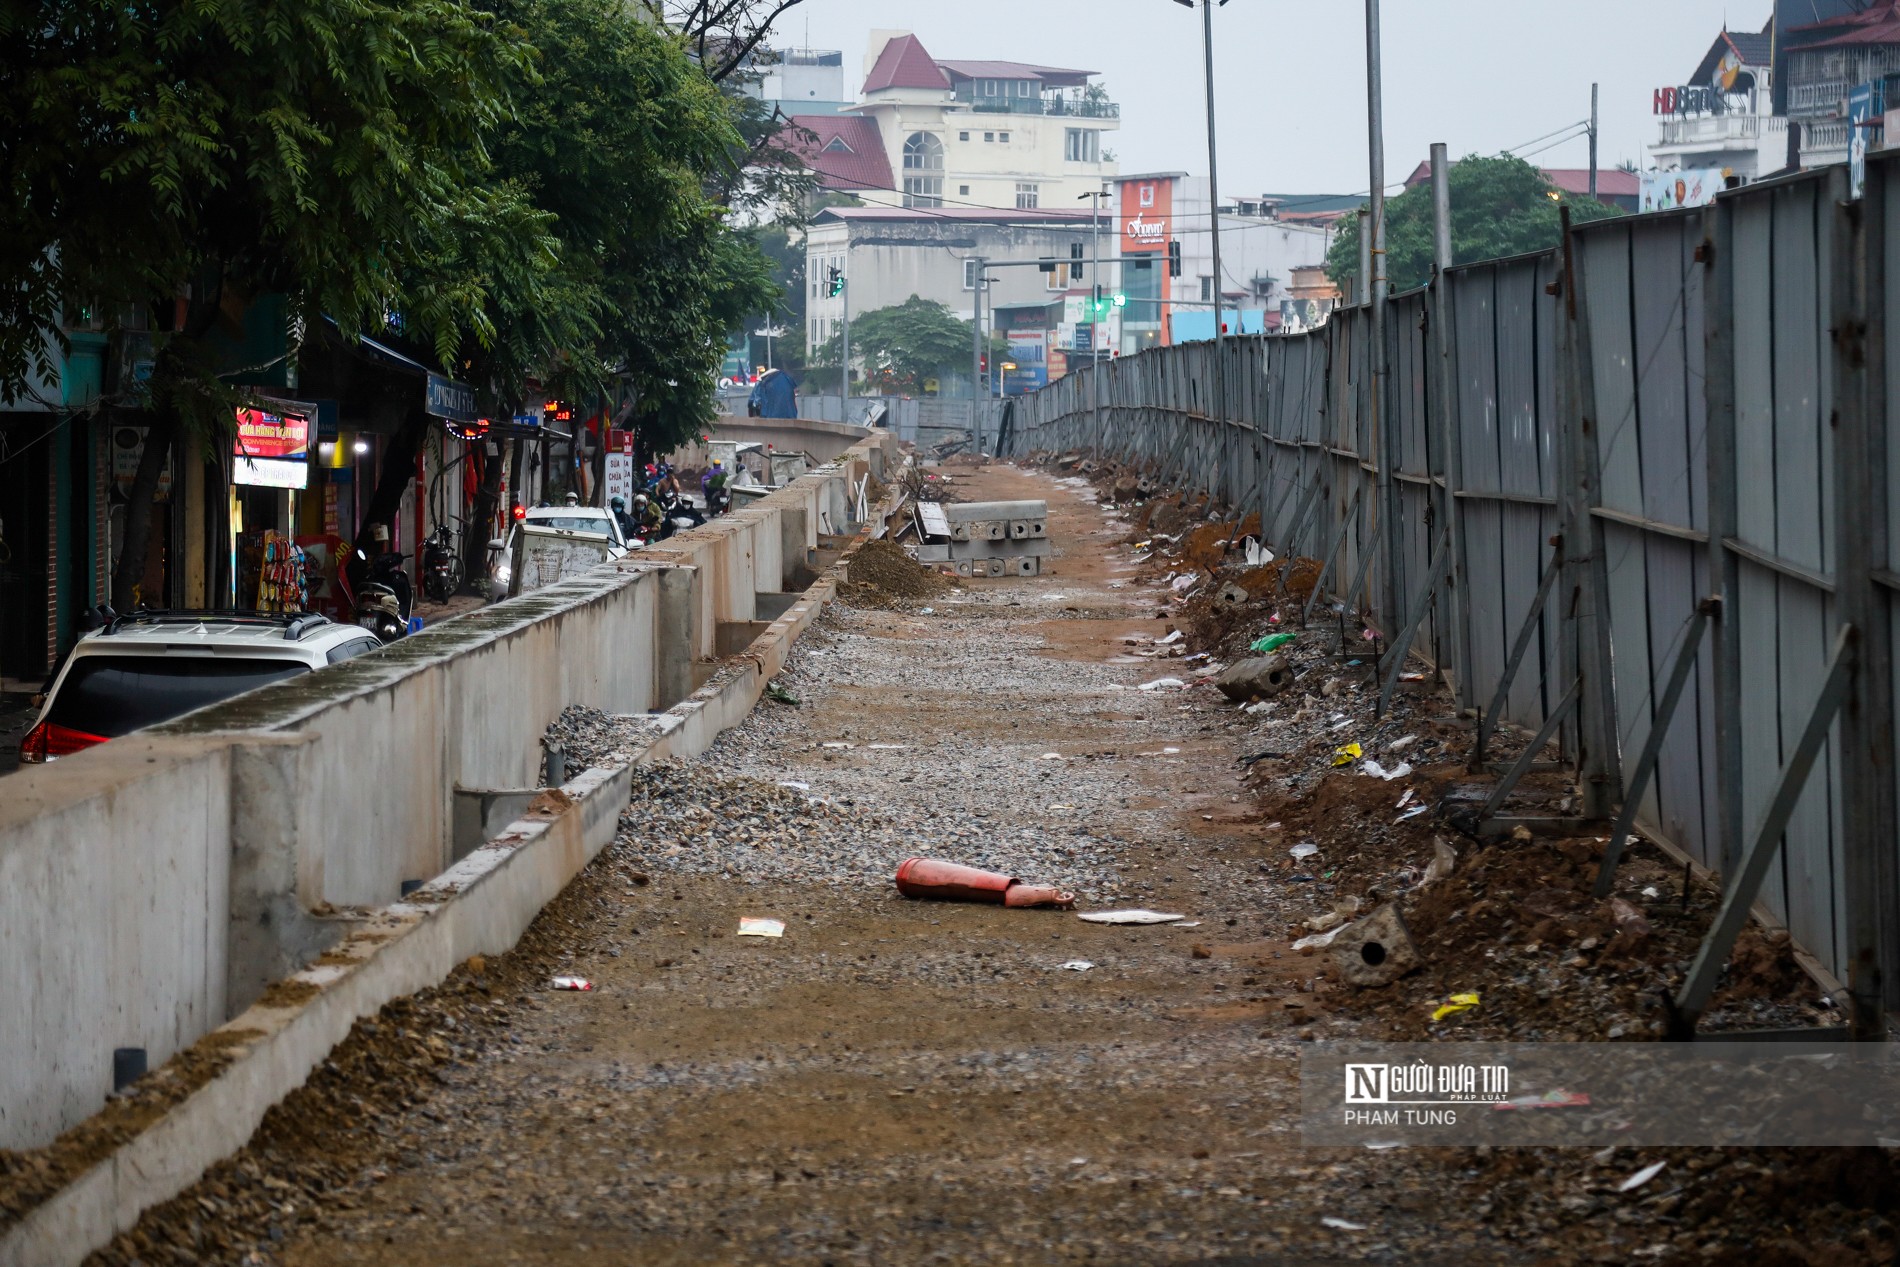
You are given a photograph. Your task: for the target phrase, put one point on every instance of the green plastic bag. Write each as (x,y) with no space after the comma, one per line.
(1271,643)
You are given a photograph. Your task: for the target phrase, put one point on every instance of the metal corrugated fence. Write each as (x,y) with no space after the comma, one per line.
(1641,427)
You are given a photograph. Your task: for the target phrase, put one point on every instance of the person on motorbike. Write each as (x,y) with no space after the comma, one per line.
(619,506)
(713,485)
(647,518)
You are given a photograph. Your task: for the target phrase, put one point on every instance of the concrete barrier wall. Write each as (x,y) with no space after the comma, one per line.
(112,918)
(825,441)
(151,886)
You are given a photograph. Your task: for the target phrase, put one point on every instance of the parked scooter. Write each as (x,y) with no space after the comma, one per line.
(383,598)
(441,565)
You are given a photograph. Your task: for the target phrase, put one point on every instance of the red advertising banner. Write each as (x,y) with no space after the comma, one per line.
(1147,214)
(268,435)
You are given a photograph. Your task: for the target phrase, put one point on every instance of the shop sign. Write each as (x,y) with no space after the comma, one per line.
(1147,207)
(272,450)
(450,399)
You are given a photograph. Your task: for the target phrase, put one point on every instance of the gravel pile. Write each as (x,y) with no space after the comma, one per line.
(589,737)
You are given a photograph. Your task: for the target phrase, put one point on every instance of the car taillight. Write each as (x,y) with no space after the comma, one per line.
(45,742)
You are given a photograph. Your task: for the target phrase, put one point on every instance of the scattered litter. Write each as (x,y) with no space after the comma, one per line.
(926,611)
(1414,812)
(1189,923)
(1343,1225)
(1325,920)
(1170,640)
(1305,849)
(1629,921)
(1318,940)
(572,983)
(1651,892)
(1455,1004)
(887,747)
(1380,1145)
(1558,1099)
(1168,752)
(1341,725)
(1257,554)
(1060,806)
(835,743)
(1258,707)
(1411,677)
(1401,743)
(1134,915)
(751,927)
(954,882)
(795,785)
(1641,1177)
(778,694)
(1050,756)
(1378,771)
(1407,798)
(1078,965)
(1348,754)
(1184,582)
(1163,684)
(1270,643)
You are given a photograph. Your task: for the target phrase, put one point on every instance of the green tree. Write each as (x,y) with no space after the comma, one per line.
(1500,207)
(904,344)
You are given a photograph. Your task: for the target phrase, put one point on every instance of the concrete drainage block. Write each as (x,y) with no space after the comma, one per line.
(1376,950)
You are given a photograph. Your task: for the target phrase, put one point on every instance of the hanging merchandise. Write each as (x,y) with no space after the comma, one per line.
(283,584)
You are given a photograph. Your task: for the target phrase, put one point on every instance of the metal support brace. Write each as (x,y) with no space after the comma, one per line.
(1326,564)
(1533,619)
(1366,554)
(1713,955)
(1272,516)
(1652,747)
(1401,646)
(1288,542)
(1522,766)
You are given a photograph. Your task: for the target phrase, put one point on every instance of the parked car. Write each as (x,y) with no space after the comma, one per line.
(583,521)
(151,666)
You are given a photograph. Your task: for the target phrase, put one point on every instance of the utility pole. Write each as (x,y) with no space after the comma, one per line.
(1450,510)
(1365,256)
(1593,142)
(1213,214)
(976,340)
(1393,614)
(845,337)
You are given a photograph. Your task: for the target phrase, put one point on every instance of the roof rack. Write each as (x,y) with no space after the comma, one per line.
(294,624)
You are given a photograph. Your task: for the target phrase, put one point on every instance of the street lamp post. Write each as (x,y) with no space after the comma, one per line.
(1219,411)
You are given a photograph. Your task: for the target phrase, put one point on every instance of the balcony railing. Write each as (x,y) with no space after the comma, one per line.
(1822,95)
(1816,137)
(1720,129)
(1072,107)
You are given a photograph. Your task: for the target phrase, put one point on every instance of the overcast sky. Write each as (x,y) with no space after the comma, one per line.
(1480,75)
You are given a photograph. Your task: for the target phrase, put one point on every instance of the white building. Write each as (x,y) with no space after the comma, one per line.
(1719,124)
(1001,134)
(803,81)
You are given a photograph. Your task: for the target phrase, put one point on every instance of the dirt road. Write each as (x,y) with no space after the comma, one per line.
(896,1081)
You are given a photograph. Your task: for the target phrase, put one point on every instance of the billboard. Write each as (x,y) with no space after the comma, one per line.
(1690,187)
(272,449)
(1147,214)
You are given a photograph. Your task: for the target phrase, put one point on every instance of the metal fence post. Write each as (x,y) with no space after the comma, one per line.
(1866,749)
(1598,772)
(1450,447)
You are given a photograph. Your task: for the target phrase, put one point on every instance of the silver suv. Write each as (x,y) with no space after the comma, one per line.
(150,667)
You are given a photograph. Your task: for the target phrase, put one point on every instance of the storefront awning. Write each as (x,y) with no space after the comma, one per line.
(443,397)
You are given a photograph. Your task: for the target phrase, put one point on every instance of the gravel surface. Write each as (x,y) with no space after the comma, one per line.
(897,1081)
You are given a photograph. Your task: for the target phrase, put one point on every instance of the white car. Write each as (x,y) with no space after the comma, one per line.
(580,521)
(152,666)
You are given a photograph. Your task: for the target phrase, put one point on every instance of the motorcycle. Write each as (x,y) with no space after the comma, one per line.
(441,565)
(718,501)
(678,514)
(383,599)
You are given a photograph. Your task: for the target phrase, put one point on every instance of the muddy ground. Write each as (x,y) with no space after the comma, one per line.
(896,1081)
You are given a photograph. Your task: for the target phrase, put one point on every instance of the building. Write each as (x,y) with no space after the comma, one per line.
(1162,223)
(1616,186)
(1719,123)
(1001,134)
(892,253)
(801,80)
(1832,77)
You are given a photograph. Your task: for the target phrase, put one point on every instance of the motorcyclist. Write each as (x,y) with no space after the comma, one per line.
(619,506)
(646,517)
(713,486)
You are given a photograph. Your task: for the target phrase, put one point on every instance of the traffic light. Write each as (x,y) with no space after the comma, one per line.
(837,283)
(1174,259)
(983,363)
(1075,261)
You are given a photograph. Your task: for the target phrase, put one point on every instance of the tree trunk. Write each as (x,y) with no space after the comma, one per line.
(129,569)
(482,518)
(399,467)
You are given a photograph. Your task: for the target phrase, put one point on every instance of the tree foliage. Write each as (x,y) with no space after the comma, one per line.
(904,344)
(1500,207)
